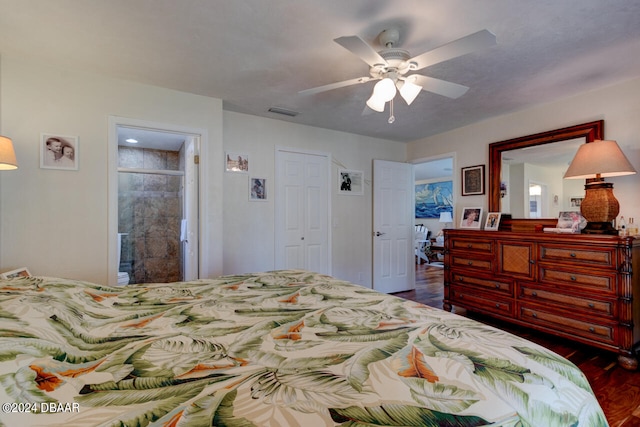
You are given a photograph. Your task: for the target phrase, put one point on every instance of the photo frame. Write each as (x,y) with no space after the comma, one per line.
(257,189)
(20,272)
(473,180)
(471,218)
(350,182)
(493,221)
(236,162)
(575,202)
(58,151)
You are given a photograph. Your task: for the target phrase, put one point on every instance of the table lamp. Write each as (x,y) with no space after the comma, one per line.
(7,154)
(446,218)
(595,161)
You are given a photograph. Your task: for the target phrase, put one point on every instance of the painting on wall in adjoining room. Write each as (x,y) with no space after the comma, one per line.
(433,198)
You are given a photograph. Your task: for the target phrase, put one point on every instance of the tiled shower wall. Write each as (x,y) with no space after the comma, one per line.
(150,211)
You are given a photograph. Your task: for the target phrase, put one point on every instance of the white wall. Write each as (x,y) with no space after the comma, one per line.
(55,222)
(618,105)
(249,226)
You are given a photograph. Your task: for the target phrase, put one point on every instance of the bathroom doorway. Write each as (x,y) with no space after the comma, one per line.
(157,205)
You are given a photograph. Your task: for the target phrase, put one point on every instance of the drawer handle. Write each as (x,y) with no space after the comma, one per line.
(497,305)
(534,294)
(573,255)
(531,261)
(469,246)
(470,263)
(592,329)
(497,286)
(573,278)
(591,305)
(534,314)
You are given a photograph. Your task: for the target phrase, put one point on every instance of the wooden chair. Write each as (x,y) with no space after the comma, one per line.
(421,243)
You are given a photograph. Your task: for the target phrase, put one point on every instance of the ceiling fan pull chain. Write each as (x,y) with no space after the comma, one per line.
(392,118)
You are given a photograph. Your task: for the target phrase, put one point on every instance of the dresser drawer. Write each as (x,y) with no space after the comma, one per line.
(596,307)
(472,245)
(470,298)
(471,261)
(503,287)
(532,314)
(604,257)
(602,281)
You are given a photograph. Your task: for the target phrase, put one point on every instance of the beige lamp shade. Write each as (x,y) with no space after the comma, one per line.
(599,159)
(7,155)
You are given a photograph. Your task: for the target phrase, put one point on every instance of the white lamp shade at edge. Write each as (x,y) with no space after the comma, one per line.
(7,154)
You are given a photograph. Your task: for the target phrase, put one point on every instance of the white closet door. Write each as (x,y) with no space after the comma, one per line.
(302,212)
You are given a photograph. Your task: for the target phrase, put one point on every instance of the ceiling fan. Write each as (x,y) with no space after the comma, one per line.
(391,66)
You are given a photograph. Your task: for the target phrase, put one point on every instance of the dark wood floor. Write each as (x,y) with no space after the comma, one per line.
(617,389)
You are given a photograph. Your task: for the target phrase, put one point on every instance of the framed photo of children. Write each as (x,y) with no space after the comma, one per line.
(236,162)
(473,180)
(20,272)
(257,189)
(350,182)
(58,151)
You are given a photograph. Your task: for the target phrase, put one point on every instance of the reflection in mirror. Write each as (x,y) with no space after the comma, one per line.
(516,164)
(533,184)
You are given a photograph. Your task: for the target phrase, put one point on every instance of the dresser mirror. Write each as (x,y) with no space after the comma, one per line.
(512,169)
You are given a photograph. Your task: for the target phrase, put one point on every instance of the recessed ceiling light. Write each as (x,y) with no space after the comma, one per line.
(132,141)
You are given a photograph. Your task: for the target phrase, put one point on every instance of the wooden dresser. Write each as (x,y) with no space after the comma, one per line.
(580,287)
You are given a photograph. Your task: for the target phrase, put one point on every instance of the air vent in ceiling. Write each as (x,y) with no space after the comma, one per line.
(283,111)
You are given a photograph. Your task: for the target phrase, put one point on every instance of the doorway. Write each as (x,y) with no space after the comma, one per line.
(157,205)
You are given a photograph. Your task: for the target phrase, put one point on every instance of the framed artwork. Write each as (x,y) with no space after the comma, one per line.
(236,162)
(257,189)
(471,218)
(473,180)
(575,202)
(350,182)
(434,198)
(493,221)
(58,151)
(20,272)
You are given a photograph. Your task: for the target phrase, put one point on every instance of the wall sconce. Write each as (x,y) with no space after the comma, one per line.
(594,161)
(7,154)
(503,189)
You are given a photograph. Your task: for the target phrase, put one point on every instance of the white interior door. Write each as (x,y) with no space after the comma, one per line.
(393,218)
(302,212)
(190,239)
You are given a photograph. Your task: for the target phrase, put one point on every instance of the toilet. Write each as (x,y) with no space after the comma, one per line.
(123,276)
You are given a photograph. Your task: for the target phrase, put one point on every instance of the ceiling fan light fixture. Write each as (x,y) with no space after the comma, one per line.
(376,103)
(409,91)
(385,89)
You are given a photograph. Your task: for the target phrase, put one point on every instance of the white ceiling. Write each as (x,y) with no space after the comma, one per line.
(257,54)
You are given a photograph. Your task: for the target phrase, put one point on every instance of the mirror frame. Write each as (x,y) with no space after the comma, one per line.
(591,131)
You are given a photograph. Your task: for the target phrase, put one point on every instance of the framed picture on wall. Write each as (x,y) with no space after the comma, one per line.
(350,182)
(236,162)
(471,218)
(473,180)
(257,189)
(58,151)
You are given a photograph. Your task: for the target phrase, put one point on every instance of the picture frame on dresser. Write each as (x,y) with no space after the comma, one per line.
(493,221)
(471,218)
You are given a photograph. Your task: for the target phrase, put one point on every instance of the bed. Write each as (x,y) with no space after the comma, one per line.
(281,348)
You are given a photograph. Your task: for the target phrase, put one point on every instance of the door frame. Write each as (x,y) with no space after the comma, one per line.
(278,237)
(112,192)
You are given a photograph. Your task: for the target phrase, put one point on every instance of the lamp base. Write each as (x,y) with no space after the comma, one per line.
(599,228)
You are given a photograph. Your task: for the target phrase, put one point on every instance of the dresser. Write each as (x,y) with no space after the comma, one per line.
(579,287)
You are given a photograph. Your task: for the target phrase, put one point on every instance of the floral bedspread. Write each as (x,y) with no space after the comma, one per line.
(283,348)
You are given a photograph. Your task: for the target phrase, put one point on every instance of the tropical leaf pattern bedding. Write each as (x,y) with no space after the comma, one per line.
(283,348)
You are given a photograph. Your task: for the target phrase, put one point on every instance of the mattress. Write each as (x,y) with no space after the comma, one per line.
(281,348)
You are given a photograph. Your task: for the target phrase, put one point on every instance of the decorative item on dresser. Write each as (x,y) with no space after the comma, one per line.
(579,287)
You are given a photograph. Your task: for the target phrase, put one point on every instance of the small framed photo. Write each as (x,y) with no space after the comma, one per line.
(257,189)
(473,180)
(58,151)
(493,221)
(471,218)
(20,272)
(350,182)
(236,162)
(575,202)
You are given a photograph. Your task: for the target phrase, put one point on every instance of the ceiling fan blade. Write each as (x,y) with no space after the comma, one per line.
(361,49)
(336,85)
(472,42)
(441,87)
